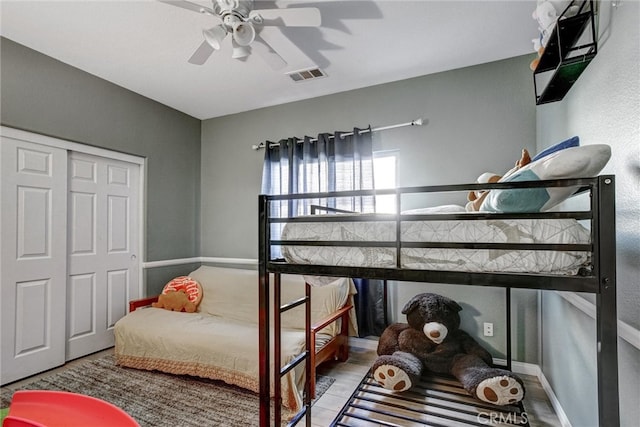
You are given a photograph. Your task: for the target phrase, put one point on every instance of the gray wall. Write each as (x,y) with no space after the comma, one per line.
(45,96)
(602,107)
(479,119)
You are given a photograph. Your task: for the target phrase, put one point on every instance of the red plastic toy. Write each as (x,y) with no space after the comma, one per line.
(44,408)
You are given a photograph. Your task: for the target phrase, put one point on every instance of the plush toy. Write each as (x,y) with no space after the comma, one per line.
(546,14)
(175,301)
(180,294)
(431,341)
(477,197)
(534,64)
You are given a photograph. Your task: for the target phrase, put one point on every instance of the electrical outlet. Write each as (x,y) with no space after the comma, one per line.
(488,329)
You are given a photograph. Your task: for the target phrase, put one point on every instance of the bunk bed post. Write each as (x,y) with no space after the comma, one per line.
(398,229)
(263,314)
(277,350)
(508,310)
(603,204)
(310,361)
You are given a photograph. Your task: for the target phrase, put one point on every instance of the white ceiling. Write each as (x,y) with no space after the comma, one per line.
(144,46)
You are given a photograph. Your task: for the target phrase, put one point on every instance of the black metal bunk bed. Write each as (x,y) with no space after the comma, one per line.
(599,279)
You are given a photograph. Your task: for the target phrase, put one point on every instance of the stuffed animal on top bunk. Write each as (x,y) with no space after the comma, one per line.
(477,197)
(546,14)
(432,341)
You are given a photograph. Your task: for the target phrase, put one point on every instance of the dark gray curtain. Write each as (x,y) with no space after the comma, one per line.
(341,161)
(370,307)
(331,163)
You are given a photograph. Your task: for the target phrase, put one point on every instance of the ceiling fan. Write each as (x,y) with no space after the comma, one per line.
(250,29)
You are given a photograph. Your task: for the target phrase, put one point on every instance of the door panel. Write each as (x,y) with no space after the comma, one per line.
(81,294)
(103,218)
(32,316)
(83,230)
(117,225)
(33,258)
(34,222)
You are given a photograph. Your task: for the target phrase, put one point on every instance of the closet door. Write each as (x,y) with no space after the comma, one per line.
(33,255)
(102,242)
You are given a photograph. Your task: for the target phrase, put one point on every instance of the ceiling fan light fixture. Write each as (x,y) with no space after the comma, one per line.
(215,35)
(251,31)
(244,33)
(240,52)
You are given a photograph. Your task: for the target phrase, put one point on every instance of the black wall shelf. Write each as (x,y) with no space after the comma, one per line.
(570,49)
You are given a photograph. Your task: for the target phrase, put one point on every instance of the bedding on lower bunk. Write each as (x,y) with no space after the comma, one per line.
(543,231)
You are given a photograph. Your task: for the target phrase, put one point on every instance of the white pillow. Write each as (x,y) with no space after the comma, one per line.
(576,162)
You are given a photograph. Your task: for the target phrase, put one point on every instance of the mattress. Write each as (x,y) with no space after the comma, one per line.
(549,231)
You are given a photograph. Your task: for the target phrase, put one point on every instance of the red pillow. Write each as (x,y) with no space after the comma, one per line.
(191,287)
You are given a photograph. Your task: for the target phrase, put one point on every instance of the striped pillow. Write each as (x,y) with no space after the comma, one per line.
(191,287)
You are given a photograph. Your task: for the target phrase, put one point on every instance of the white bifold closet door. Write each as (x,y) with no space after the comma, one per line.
(102,237)
(69,251)
(34,253)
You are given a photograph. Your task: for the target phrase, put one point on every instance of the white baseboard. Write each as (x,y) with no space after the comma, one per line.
(170,262)
(193,260)
(230,260)
(557,407)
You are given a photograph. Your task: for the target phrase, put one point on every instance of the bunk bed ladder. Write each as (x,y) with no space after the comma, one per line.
(264,250)
(264,335)
(304,356)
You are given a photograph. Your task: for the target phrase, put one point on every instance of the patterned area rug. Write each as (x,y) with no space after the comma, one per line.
(156,399)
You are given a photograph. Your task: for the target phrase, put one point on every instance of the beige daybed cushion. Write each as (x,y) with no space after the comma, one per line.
(233,294)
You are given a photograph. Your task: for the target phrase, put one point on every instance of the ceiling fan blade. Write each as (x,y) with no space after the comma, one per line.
(287,50)
(270,56)
(189,6)
(202,53)
(294,17)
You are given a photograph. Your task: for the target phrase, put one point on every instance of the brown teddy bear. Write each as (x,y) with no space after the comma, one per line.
(432,341)
(175,301)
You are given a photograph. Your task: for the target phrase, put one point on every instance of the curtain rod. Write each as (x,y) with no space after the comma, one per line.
(416,122)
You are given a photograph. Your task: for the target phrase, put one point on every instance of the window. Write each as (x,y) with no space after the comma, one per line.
(385,175)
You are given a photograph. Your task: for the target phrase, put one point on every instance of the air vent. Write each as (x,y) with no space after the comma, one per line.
(308,74)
